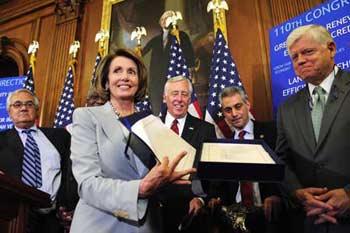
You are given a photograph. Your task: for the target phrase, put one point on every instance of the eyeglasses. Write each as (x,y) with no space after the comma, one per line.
(19,104)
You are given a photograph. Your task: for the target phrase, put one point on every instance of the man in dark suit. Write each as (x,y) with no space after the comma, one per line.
(179,200)
(235,108)
(160,48)
(54,176)
(313,133)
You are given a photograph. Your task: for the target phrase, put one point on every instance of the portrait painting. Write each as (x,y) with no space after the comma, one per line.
(196,34)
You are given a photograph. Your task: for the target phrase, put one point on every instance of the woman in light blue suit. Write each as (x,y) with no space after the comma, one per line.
(115,187)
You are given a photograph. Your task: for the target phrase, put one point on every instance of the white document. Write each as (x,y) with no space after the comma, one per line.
(235,153)
(164,142)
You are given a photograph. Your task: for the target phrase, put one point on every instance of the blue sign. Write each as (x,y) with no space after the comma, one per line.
(7,85)
(335,16)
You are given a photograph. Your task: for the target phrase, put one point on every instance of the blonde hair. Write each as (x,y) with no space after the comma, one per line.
(316,32)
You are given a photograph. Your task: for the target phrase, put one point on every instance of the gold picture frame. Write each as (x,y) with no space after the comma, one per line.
(120,17)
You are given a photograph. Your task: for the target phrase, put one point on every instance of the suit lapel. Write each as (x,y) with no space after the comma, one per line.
(189,129)
(114,130)
(339,91)
(303,118)
(51,137)
(15,143)
(258,131)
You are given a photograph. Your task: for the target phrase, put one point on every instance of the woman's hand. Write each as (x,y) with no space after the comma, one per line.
(164,173)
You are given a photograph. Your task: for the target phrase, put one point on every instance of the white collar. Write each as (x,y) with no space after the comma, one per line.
(248,128)
(20,130)
(326,84)
(169,119)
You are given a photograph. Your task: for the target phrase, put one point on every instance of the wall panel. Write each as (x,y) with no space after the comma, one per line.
(55,28)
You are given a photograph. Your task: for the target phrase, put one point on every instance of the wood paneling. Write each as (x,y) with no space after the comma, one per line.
(248,24)
(247,42)
(283,10)
(64,35)
(91,22)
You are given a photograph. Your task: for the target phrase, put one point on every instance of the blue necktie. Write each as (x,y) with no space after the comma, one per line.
(31,168)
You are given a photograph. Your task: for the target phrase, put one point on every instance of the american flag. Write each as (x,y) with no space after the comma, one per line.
(223,74)
(65,108)
(144,105)
(97,61)
(177,66)
(29,80)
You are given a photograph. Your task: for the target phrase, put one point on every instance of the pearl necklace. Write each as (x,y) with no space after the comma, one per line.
(118,113)
(115,110)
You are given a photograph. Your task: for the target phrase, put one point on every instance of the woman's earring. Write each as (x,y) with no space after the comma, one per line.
(107,87)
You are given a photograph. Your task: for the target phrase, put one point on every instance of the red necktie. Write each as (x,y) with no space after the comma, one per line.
(246,186)
(241,135)
(174,127)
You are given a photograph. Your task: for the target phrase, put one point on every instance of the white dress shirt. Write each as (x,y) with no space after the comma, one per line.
(180,122)
(326,84)
(50,161)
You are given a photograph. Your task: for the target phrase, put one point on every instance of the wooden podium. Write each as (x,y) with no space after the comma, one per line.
(15,201)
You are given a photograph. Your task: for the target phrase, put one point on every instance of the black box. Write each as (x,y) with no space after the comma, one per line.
(241,171)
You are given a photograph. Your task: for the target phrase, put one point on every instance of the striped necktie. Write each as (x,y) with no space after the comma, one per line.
(317,110)
(31,168)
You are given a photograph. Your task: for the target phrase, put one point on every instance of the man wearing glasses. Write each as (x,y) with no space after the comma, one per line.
(39,157)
